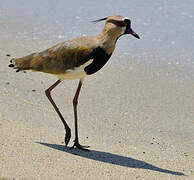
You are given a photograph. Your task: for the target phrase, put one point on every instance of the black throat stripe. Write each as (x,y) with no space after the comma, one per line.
(100,58)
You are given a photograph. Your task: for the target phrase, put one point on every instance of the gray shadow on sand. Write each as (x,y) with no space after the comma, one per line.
(111,158)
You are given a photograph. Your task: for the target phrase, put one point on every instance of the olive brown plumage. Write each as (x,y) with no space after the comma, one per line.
(75,59)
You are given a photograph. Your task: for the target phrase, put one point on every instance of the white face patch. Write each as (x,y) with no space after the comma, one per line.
(124,29)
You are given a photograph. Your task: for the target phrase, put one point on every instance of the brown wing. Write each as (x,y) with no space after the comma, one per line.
(55,60)
(59,58)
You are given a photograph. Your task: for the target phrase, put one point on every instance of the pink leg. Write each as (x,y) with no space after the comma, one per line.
(75,102)
(68,130)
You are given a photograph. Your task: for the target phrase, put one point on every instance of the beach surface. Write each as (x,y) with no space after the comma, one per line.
(137,118)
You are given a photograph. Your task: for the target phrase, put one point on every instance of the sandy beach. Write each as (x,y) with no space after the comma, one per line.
(137,118)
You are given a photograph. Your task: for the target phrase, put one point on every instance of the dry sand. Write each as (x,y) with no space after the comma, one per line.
(138,121)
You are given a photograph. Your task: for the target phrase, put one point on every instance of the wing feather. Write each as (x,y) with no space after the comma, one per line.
(59,58)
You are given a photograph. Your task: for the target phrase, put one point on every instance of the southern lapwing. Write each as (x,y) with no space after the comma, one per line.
(76,59)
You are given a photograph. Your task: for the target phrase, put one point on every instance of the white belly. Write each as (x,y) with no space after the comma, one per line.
(76,73)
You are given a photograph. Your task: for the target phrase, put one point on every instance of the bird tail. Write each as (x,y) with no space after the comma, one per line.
(21,63)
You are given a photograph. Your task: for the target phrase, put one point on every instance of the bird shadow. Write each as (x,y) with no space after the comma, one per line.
(111,158)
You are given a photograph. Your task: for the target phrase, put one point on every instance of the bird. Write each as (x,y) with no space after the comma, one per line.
(76,59)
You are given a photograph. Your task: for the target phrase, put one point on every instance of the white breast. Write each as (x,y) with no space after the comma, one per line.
(76,73)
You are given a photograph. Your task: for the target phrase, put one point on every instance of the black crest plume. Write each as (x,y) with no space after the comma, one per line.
(98,20)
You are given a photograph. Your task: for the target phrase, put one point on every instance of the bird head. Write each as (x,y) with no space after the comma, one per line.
(118,25)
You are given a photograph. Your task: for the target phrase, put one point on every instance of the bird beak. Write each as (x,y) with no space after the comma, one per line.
(133,33)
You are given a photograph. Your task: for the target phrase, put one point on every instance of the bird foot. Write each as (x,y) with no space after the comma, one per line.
(67,136)
(78,146)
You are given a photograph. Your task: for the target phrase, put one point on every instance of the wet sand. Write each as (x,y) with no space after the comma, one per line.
(137,118)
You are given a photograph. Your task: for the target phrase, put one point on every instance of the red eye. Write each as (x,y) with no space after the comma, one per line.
(128,22)
(120,23)
(117,22)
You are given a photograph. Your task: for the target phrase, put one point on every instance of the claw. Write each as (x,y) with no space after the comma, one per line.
(67,136)
(17,69)
(78,146)
(11,65)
